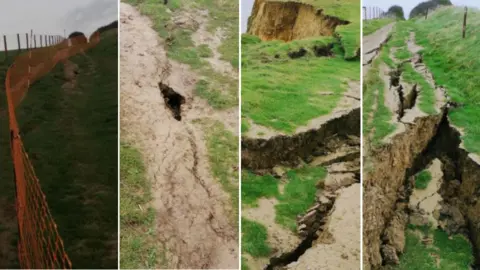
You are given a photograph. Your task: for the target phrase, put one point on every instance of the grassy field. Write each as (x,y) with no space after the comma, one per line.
(446,252)
(71,139)
(219,90)
(271,81)
(454,64)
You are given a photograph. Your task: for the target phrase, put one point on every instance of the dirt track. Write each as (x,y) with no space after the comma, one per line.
(193,225)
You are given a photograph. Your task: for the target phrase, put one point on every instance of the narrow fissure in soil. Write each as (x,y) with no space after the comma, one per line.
(458,205)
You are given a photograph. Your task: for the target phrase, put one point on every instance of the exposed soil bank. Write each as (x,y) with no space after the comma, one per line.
(289,21)
(290,151)
(388,178)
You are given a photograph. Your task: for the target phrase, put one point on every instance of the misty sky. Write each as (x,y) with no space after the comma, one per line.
(408,5)
(53,16)
(246,8)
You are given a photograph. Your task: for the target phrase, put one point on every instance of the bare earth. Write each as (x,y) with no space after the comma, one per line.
(193,225)
(339,246)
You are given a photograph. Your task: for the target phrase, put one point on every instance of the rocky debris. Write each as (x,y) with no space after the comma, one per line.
(389,255)
(316,216)
(451,219)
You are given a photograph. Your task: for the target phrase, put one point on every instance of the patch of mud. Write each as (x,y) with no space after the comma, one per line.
(287,21)
(191,208)
(70,71)
(372,43)
(427,201)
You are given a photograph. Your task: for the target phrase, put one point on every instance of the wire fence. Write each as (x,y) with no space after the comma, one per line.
(16,43)
(40,245)
(370,13)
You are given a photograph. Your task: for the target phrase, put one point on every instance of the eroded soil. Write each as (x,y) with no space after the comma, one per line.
(193,224)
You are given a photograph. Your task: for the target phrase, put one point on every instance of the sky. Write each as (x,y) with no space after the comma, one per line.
(246,9)
(52,17)
(408,5)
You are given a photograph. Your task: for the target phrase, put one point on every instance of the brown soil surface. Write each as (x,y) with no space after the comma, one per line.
(192,209)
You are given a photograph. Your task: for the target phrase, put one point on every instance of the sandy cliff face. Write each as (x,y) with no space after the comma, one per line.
(287,21)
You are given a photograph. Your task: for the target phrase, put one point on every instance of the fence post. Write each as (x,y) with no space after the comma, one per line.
(35,41)
(26,37)
(18,40)
(5,43)
(465,22)
(426,14)
(364,13)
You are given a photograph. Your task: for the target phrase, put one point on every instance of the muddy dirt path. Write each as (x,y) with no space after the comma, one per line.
(193,225)
(372,43)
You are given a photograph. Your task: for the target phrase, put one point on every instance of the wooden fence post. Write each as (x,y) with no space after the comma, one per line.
(5,43)
(364,13)
(465,22)
(426,14)
(35,41)
(41,42)
(18,40)
(26,37)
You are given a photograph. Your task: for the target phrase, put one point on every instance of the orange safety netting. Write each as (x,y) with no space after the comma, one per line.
(40,245)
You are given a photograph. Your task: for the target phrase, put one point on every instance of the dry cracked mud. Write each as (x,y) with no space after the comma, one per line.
(420,142)
(193,225)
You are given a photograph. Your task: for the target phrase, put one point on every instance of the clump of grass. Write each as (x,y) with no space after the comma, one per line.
(137,218)
(254,239)
(204,51)
(298,196)
(255,187)
(423,179)
(446,252)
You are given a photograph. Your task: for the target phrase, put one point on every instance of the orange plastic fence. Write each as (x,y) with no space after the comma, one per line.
(40,245)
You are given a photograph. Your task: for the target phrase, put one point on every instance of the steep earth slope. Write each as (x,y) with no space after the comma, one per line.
(421,167)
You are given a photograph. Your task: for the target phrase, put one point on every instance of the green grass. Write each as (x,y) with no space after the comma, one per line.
(222,148)
(205,51)
(137,217)
(454,64)
(269,85)
(255,187)
(71,140)
(454,252)
(254,239)
(219,90)
(427,93)
(423,179)
(371,26)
